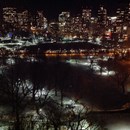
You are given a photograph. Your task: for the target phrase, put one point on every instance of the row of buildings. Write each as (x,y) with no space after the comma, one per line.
(23,19)
(81,26)
(84,25)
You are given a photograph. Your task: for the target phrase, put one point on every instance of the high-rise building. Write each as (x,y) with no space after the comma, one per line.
(23,19)
(16,19)
(77,26)
(64,23)
(120,17)
(10,15)
(64,16)
(86,14)
(127,15)
(102,16)
(38,22)
(121,24)
(86,22)
(41,21)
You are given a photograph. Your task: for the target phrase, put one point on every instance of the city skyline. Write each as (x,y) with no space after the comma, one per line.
(53,8)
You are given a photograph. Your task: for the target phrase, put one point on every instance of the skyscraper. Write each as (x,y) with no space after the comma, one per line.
(86,14)
(64,23)
(127,15)
(102,16)
(23,19)
(10,15)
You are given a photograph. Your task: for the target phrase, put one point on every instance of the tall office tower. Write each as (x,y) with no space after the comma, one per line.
(111,23)
(1,15)
(64,16)
(127,15)
(86,14)
(38,22)
(120,20)
(86,22)
(10,15)
(120,17)
(93,26)
(64,23)
(102,16)
(23,20)
(122,24)
(76,26)
(41,21)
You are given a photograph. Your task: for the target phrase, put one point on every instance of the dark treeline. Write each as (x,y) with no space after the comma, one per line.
(58,46)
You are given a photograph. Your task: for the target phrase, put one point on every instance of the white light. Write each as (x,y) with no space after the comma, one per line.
(125,28)
(10,61)
(68,102)
(84,124)
(105,58)
(113,18)
(120,126)
(42,92)
(96,68)
(78,108)
(106,73)
(40,110)
(86,63)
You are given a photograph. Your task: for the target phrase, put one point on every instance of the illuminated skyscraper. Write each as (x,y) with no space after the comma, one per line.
(77,26)
(86,14)
(38,22)
(102,16)
(122,23)
(41,21)
(64,16)
(14,18)
(127,15)
(23,19)
(86,22)
(120,17)
(10,15)
(64,23)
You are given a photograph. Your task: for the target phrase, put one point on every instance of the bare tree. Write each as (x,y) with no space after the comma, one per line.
(121,76)
(16,92)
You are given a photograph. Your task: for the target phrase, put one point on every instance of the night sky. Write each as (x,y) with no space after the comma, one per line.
(52,8)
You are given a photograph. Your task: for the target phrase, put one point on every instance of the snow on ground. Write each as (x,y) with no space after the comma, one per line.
(119,126)
(42,93)
(10,61)
(4,127)
(93,65)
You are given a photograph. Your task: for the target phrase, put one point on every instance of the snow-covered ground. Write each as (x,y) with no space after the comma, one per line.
(119,124)
(42,93)
(87,64)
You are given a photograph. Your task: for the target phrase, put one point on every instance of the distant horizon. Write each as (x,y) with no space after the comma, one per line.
(52,9)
